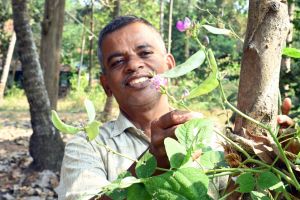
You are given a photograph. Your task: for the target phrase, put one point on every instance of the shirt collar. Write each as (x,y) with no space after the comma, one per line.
(120,125)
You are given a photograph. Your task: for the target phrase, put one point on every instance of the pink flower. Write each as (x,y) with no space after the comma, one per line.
(184,25)
(158,82)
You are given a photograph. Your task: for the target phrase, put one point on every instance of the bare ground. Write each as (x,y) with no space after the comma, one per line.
(16,182)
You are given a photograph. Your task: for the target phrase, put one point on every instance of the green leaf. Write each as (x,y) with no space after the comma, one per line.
(146,165)
(128,181)
(92,130)
(246,182)
(210,83)
(138,191)
(114,191)
(268,180)
(211,159)
(218,31)
(291,52)
(61,126)
(258,196)
(297,161)
(175,151)
(190,64)
(90,109)
(183,184)
(195,133)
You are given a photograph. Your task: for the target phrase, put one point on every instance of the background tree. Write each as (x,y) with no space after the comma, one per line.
(52,27)
(45,146)
(267,29)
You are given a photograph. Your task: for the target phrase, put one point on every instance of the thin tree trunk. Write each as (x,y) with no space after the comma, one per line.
(161,22)
(52,27)
(45,146)
(170,26)
(268,25)
(91,45)
(6,67)
(82,53)
(108,107)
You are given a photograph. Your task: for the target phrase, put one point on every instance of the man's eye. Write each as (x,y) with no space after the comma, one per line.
(116,63)
(146,53)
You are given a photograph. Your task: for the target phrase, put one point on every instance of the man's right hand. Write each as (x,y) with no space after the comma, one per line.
(165,127)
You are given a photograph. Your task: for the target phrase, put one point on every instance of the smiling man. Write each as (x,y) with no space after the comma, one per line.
(130,51)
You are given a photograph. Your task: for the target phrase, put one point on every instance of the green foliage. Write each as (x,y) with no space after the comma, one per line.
(190,64)
(186,183)
(175,151)
(291,52)
(61,126)
(246,182)
(146,166)
(268,180)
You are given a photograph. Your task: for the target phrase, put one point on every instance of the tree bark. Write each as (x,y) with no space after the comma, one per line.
(108,107)
(268,25)
(161,22)
(170,26)
(52,27)
(91,53)
(45,146)
(6,67)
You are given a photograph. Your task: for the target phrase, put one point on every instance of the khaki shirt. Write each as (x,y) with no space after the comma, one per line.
(87,166)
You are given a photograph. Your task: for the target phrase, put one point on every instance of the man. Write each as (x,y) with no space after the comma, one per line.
(130,52)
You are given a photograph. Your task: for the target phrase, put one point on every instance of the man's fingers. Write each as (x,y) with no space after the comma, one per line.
(286,106)
(284,121)
(174,118)
(158,139)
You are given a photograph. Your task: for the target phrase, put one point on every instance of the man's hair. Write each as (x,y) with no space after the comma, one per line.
(115,25)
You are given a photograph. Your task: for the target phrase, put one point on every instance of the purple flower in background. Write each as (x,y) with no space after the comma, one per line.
(158,82)
(184,25)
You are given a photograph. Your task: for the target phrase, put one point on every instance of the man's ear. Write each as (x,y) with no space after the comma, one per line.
(104,83)
(170,61)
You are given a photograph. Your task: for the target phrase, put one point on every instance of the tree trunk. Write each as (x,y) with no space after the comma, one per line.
(170,26)
(45,146)
(108,107)
(6,67)
(268,25)
(91,45)
(52,27)
(161,22)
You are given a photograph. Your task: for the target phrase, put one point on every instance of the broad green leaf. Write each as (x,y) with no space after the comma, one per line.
(291,52)
(258,196)
(175,151)
(246,182)
(211,159)
(61,126)
(90,109)
(183,184)
(218,31)
(146,165)
(268,180)
(190,64)
(128,181)
(114,191)
(210,83)
(138,191)
(195,133)
(92,130)
(297,162)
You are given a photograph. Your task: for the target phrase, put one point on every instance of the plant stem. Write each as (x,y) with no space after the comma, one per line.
(115,152)
(233,143)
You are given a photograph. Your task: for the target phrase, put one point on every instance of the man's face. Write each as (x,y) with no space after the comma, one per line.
(130,56)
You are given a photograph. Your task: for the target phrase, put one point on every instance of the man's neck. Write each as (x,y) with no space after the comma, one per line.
(142,117)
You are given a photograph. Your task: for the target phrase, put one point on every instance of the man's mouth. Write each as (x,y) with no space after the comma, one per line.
(138,81)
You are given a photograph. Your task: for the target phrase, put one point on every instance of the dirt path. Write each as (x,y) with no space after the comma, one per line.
(16,182)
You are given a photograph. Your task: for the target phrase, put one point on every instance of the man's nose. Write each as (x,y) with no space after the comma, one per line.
(134,63)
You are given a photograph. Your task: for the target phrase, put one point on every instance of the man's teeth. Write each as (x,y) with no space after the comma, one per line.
(138,80)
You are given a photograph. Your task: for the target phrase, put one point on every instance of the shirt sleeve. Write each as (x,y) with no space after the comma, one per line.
(83,171)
